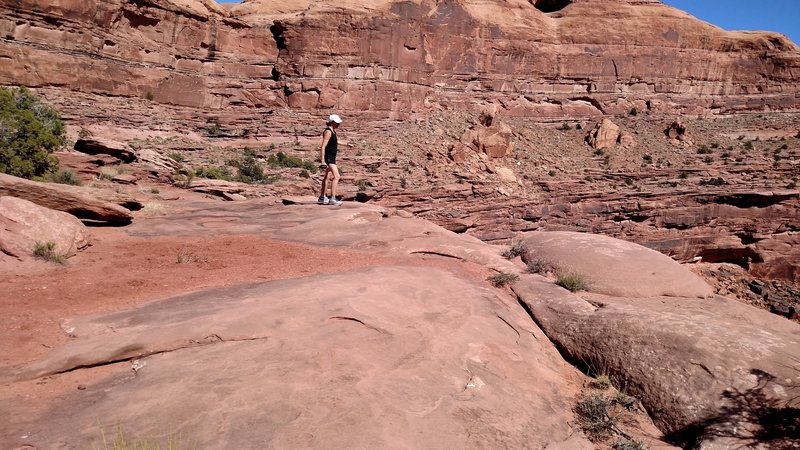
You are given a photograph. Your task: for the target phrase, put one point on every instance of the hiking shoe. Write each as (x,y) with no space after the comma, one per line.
(323,200)
(335,202)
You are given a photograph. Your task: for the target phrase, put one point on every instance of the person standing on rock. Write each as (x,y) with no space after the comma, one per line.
(327,155)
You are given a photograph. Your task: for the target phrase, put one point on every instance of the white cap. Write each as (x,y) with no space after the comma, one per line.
(334,118)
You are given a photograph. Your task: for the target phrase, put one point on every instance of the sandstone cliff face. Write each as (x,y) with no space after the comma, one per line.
(544,58)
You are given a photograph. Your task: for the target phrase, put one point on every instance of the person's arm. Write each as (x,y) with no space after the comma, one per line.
(326,136)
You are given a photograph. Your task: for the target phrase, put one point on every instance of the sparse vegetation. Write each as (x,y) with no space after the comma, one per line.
(748,145)
(215,130)
(362,185)
(186,256)
(539,265)
(516,248)
(214,173)
(624,443)
(551,173)
(599,152)
(704,150)
(281,159)
(47,251)
(65,176)
(502,279)
(602,382)
(633,112)
(594,416)
(121,442)
(177,157)
(83,133)
(572,280)
(148,95)
(304,174)
(29,132)
(153,209)
(647,159)
(708,159)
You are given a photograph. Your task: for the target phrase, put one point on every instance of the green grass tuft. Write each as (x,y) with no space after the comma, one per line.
(503,278)
(47,251)
(572,280)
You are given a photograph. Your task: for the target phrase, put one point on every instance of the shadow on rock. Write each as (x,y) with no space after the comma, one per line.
(751,419)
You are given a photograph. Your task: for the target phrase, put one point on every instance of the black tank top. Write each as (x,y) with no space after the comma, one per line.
(331,147)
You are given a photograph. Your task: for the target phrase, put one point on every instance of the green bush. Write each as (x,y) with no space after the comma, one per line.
(283,160)
(29,132)
(362,185)
(65,176)
(214,173)
(250,169)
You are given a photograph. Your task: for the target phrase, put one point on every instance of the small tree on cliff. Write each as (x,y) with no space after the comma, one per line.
(29,132)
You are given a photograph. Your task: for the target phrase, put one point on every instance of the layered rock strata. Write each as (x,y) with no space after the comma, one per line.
(397,57)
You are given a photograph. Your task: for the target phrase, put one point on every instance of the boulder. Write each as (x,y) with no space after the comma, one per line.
(495,140)
(615,267)
(95,146)
(713,373)
(604,135)
(24,223)
(82,202)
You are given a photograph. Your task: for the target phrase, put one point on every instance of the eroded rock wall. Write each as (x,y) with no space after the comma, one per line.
(551,59)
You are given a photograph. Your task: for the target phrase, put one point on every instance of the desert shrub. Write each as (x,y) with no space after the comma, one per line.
(704,150)
(503,278)
(633,112)
(29,132)
(65,176)
(174,441)
(516,248)
(148,95)
(708,159)
(551,173)
(186,256)
(601,382)
(177,157)
(647,159)
(715,145)
(594,416)
(47,251)
(539,265)
(626,401)
(572,280)
(624,443)
(748,145)
(362,185)
(599,152)
(250,169)
(791,185)
(281,159)
(153,209)
(214,173)
(683,175)
(393,160)
(304,174)
(214,130)
(83,133)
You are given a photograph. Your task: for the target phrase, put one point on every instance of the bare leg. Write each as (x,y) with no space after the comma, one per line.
(324,181)
(335,181)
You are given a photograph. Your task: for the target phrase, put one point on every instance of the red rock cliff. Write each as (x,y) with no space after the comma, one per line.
(537,57)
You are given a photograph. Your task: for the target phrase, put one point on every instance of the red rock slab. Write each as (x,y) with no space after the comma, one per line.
(615,267)
(393,357)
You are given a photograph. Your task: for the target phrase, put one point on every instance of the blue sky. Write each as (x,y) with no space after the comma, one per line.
(782,16)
